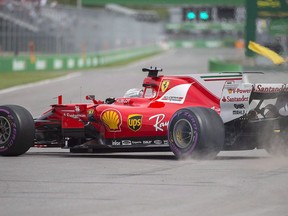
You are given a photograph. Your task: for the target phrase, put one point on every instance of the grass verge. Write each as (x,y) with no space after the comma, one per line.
(19,78)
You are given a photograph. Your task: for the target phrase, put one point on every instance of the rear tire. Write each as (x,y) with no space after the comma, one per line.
(196,132)
(17,130)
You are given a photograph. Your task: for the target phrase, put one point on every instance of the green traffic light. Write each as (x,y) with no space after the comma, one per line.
(204,15)
(191,15)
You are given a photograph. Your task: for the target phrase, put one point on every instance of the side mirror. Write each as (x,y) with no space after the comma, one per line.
(90,97)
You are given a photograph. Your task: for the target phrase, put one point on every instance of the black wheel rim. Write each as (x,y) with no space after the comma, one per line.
(183,133)
(5,130)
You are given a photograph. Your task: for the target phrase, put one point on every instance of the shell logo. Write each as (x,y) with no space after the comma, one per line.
(112,120)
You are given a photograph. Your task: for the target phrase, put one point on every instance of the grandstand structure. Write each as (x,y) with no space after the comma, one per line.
(27,26)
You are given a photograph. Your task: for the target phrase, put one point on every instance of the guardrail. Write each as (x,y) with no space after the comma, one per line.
(71,62)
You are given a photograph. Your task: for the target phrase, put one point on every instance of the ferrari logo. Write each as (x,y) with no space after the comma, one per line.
(90,111)
(165,85)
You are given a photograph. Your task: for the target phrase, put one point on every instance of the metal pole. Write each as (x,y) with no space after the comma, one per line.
(250,28)
(79,4)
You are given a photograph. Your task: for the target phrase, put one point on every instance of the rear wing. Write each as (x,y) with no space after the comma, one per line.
(263,91)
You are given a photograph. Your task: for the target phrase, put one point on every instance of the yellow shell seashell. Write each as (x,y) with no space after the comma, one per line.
(111,119)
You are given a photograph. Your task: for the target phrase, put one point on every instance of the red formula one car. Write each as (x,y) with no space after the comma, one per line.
(196,115)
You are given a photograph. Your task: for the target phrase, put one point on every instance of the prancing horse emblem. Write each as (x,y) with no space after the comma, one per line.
(164,85)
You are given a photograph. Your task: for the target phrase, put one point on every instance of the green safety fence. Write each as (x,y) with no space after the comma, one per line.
(71,62)
(228,42)
(217,65)
(190,26)
(165,2)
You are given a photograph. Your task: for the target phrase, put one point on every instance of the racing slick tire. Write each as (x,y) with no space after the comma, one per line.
(196,132)
(17,130)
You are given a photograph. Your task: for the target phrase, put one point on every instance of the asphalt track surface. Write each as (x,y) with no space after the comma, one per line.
(55,182)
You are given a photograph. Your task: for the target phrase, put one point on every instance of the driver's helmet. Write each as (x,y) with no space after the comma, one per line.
(134,92)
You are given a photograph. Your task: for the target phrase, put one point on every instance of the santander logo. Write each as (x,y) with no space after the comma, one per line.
(235,99)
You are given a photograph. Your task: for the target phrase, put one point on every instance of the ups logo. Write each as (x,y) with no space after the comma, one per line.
(134,122)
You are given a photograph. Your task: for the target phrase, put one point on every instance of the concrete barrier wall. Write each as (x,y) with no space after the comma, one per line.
(71,62)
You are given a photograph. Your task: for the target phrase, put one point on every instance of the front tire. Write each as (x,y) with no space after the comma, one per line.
(17,130)
(196,132)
